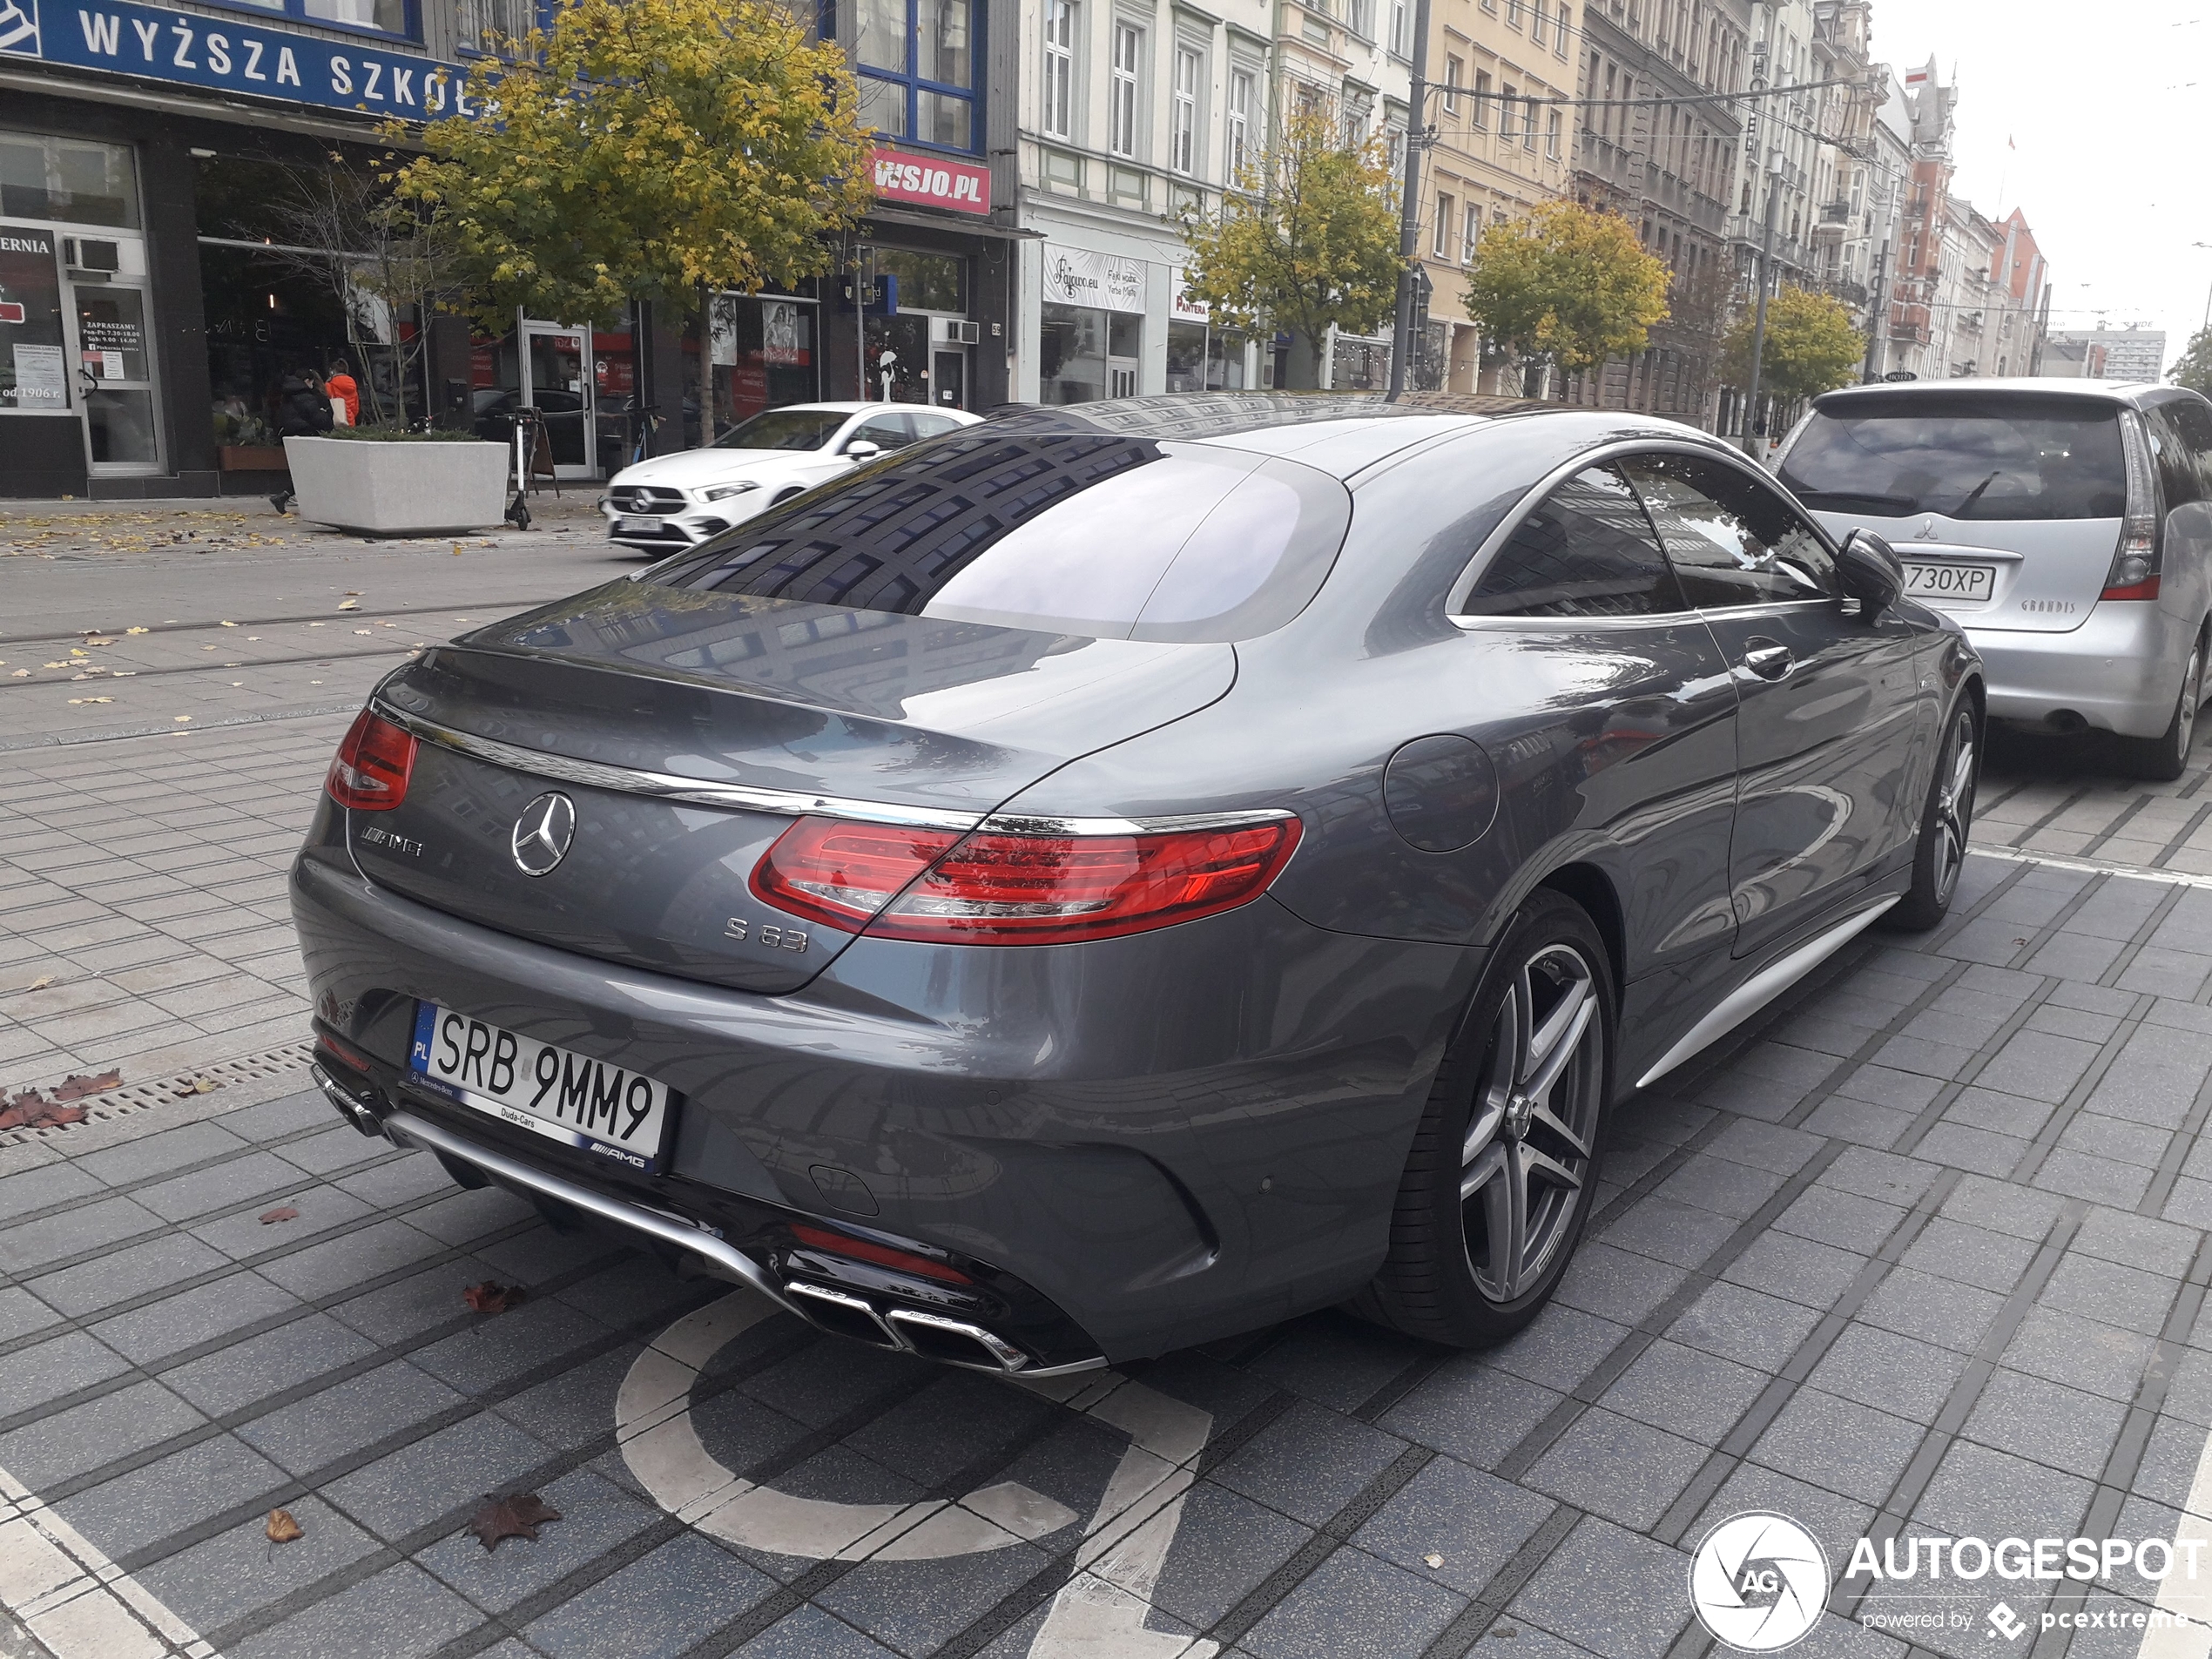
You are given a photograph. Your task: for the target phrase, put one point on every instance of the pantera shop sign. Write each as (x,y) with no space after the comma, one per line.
(223,55)
(932,181)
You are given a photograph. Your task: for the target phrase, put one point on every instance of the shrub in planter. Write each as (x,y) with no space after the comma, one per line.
(384,481)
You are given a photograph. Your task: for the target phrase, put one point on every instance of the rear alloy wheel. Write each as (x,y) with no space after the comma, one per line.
(1504,1164)
(2160,759)
(1946,824)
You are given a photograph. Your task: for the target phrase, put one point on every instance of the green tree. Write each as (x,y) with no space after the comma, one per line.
(641,150)
(2193,369)
(1307,238)
(1565,285)
(1811,347)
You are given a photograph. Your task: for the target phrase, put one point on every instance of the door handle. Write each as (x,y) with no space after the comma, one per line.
(1767,658)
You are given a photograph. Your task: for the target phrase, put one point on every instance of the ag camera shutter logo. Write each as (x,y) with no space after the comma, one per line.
(1758,1581)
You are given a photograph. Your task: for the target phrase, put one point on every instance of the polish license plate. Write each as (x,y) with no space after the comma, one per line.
(567,1097)
(1951,581)
(638,526)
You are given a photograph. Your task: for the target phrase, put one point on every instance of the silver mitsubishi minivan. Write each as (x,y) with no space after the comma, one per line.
(2067,525)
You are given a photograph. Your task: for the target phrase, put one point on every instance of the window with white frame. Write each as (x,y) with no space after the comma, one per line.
(1513,10)
(1541,24)
(1470,233)
(1183,135)
(1455,75)
(1443,243)
(1397,43)
(1243,85)
(1566,28)
(1360,13)
(1481,119)
(1508,110)
(1057,117)
(1551,135)
(1528,127)
(1121,114)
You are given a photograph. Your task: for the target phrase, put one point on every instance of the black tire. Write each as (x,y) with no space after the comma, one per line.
(1484,1134)
(2161,760)
(1945,823)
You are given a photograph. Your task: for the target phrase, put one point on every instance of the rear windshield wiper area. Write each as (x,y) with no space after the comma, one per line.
(1845,501)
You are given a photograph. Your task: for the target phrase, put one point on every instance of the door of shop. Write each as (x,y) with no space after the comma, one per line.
(115,377)
(557,380)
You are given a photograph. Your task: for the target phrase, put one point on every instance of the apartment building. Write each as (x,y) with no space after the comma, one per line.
(1131,114)
(1499,72)
(2130,353)
(1657,146)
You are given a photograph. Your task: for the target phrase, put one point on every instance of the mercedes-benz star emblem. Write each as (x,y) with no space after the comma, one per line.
(543,833)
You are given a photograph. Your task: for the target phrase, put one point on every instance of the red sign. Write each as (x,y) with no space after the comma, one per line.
(933,181)
(11,311)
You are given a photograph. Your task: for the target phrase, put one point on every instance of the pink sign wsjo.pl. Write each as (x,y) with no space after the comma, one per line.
(963,186)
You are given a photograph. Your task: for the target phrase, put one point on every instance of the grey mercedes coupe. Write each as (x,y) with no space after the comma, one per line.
(1115,877)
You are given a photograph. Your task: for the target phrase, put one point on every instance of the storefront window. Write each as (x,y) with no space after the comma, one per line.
(764,356)
(927,281)
(34,373)
(897,358)
(67,180)
(1361,365)
(917,64)
(1225,360)
(1204,359)
(1087,354)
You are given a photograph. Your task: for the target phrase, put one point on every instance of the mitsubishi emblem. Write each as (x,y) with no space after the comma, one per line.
(543,833)
(1926,532)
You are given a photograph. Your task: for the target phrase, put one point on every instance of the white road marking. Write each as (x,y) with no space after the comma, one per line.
(1099,1614)
(2090,866)
(72,1597)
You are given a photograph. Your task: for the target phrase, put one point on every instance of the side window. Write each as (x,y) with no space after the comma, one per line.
(1586,551)
(928,426)
(1734,541)
(2182,465)
(2193,420)
(886,431)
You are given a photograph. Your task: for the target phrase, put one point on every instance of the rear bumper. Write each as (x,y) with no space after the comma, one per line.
(2120,671)
(1135,1144)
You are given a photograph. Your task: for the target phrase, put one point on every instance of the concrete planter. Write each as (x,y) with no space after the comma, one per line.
(398,489)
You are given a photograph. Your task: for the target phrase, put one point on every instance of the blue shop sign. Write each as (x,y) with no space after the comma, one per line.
(221,55)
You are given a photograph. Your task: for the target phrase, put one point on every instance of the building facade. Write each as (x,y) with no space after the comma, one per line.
(1500,73)
(1659,145)
(2132,353)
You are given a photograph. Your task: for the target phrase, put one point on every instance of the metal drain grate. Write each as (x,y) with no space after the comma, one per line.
(139,1097)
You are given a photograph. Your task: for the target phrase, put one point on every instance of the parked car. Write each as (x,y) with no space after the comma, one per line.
(1118,876)
(677,500)
(2067,525)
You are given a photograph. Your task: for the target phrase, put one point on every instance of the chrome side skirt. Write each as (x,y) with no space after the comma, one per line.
(1763,987)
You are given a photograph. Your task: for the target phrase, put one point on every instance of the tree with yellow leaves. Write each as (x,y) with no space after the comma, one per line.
(1811,347)
(1307,238)
(1565,285)
(642,148)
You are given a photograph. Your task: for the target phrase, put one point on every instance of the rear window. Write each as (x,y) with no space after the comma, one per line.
(1114,537)
(784,429)
(1965,457)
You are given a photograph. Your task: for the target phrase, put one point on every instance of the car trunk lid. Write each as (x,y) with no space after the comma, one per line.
(689,729)
(2046,575)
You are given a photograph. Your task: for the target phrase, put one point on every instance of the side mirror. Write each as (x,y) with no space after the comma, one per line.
(863,449)
(1867,566)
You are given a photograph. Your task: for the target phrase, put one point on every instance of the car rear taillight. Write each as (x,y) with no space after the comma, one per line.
(987,888)
(842,873)
(2136,561)
(866,1249)
(370,771)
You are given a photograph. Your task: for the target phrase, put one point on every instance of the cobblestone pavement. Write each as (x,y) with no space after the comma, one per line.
(1923,1253)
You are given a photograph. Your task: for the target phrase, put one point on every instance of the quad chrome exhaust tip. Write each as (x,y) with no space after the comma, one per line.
(952,1342)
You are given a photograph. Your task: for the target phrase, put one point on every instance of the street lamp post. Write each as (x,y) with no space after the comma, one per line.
(1409,206)
(2207,323)
(1751,422)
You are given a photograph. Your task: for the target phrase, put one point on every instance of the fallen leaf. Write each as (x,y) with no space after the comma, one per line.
(1433,1559)
(20,674)
(134,630)
(492,1297)
(352,593)
(283,1212)
(282,1529)
(348,606)
(226,625)
(362,631)
(90,640)
(519,1516)
(77,1086)
(31,1109)
(40,983)
(54,665)
(181,718)
(74,652)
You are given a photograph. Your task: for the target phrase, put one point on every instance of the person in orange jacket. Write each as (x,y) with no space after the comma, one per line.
(341,387)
